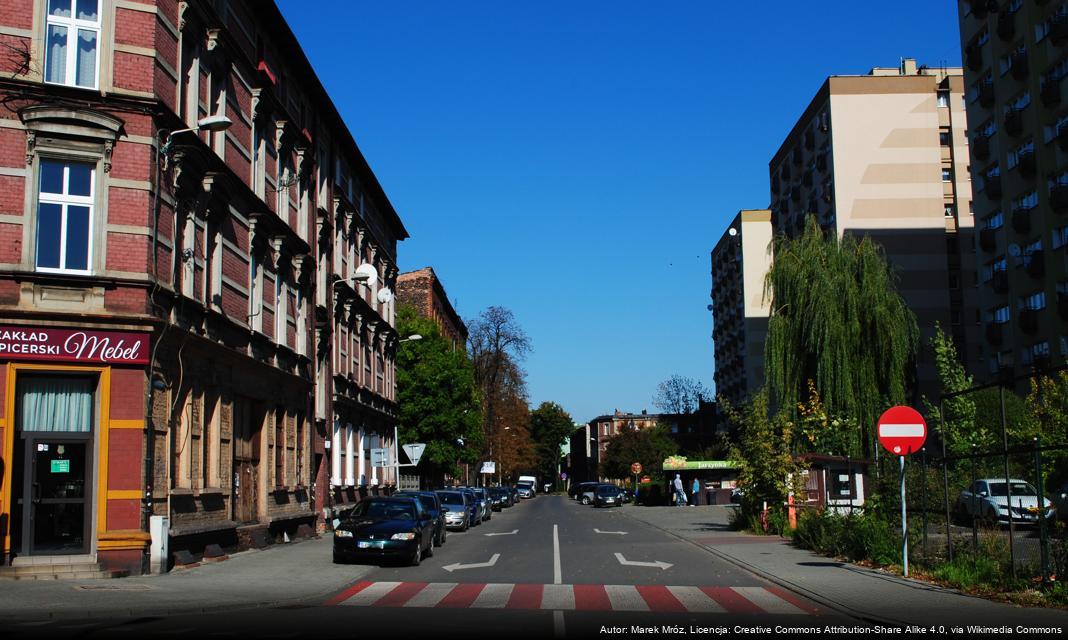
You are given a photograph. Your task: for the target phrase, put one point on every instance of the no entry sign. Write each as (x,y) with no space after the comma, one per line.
(902,430)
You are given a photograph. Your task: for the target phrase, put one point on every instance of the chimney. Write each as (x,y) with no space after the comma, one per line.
(908,66)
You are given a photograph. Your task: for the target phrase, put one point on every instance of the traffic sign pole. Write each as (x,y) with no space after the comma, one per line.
(902,430)
(904,522)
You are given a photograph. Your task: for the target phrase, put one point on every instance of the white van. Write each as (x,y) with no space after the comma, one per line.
(527,486)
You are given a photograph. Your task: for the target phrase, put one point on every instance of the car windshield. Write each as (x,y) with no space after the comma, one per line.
(523,484)
(451,498)
(606,490)
(382,509)
(1018,489)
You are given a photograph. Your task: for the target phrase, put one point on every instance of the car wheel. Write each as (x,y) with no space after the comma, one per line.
(339,560)
(438,538)
(444,534)
(585,500)
(989,519)
(467,525)
(430,549)
(417,557)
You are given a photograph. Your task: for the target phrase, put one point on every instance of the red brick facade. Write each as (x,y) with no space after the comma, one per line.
(235,250)
(423,290)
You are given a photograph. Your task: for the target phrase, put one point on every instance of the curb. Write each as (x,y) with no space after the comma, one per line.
(786,584)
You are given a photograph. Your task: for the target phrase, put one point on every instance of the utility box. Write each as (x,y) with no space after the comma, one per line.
(160,529)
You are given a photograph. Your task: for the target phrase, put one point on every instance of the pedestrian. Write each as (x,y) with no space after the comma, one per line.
(695,493)
(680,494)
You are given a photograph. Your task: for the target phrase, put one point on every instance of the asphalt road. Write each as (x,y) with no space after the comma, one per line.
(546,567)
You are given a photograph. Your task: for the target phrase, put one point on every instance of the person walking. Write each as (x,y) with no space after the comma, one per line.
(695,493)
(680,494)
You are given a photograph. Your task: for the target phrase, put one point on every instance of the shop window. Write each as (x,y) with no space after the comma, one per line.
(55,403)
(65,206)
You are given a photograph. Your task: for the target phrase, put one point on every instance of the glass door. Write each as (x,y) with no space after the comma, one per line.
(57,519)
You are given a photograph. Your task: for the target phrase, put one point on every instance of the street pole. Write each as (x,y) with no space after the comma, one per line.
(396,459)
(904,523)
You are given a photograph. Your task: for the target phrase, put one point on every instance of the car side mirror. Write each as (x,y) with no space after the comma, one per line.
(984,494)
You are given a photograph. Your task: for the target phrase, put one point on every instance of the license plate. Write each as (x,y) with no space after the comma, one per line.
(369,544)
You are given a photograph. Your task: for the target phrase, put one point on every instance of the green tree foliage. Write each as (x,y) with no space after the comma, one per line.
(550,426)
(767,469)
(1048,401)
(650,447)
(439,402)
(962,430)
(680,395)
(836,319)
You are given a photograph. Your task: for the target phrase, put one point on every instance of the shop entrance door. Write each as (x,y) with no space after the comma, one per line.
(248,420)
(54,497)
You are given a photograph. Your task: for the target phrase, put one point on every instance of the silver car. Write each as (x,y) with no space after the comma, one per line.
(988,501)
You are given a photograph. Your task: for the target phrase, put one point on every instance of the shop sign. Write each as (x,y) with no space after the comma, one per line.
(73,345)
(680,463)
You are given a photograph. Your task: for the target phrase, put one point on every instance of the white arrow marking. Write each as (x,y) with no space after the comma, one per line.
(611,533)
(507,533)
(476,565)
(635,563)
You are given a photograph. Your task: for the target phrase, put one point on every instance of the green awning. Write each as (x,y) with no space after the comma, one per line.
(679,463)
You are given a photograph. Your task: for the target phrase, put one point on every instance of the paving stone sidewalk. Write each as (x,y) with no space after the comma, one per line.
(867,594)
(281,575)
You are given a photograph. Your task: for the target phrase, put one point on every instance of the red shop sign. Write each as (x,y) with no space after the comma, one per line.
(73,345)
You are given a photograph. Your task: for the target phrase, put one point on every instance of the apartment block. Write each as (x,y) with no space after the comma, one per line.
(886,155)
(740,261)
(1016,59)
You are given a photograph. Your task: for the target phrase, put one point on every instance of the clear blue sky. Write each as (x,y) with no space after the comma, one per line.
(577,161)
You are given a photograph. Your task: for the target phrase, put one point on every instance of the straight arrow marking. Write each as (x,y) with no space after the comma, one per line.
(507,533)
(476,565)
(635,563)
(611,533)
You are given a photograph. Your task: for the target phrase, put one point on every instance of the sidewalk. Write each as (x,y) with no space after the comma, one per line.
(286,574)
(866,594)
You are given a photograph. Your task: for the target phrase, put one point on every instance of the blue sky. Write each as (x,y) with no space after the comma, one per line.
(577,161)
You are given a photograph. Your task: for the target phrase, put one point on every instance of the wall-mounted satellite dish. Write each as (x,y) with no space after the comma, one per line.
(1014,250)
(732,232)
(370,272)
(385,295)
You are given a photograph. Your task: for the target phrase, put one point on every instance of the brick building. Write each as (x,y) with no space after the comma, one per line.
(196,317)
(423,290)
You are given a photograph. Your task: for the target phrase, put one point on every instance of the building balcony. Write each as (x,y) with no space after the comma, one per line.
(775,185)
(1021,219)
(993,187)
(999,281)
(1025,162)
(810,140)
(1020,65)
(988,239)
(1062,138)
(1013,122)
(1028,320)
(1058,198)
(1036,264)
(795,194)
(806,179)
(973,57)
(1058,29)
(1042,362)
(796,157)
(784,171)
(986,94)
(1062,305)
(995,333)
(821,162)
(1006,26)
(1051,93)
(979,8)
(981,147)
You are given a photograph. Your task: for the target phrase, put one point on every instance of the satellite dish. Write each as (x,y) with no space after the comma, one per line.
(1014,250)
(385,295)
(369,271)
(709,307)
(732,232)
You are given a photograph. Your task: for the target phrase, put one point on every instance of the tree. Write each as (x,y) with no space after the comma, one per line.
(650,447)
(679,394)
(550,426)
(836,319)
(958,413)
(438,399)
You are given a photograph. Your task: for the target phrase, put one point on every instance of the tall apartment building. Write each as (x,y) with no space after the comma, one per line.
(886,155)
(182,331)
(1016,58)
(423,290)
(740,261)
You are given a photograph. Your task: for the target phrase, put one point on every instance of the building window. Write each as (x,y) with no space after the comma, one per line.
(943,98)
(65,216)
(944,138)
(71,42)
(947,175)
(994,221)
(1034,302)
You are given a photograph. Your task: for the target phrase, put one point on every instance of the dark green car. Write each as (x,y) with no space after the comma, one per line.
(384,529)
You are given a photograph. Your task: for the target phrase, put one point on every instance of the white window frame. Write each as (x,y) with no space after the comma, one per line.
(64,201)
(73,25)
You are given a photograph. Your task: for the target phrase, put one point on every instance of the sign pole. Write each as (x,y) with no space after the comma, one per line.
(904,522)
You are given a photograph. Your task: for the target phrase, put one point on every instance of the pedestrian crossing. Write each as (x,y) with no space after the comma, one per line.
(578,597)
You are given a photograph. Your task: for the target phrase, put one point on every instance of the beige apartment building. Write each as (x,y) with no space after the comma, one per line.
(886,155)
(1015,62)
(740,261)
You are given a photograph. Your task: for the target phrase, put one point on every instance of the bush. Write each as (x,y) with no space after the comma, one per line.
(864,536)
(986,568)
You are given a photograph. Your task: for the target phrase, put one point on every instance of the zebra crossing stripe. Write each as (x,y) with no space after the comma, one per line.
(580,597)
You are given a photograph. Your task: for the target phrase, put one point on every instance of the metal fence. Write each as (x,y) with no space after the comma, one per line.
(956,490)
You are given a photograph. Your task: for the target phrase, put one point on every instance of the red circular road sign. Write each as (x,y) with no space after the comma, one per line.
(636,468)
(902,430)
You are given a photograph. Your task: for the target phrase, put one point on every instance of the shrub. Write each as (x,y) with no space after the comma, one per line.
(864,536)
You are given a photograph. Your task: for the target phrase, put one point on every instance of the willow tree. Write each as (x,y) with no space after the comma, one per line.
(837,320)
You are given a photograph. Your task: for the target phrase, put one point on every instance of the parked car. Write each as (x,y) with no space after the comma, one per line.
(589,493)
(381,529)
(487,504)
(577,490)
(513,493)
(476,506)
(459,511)
(499,498)
(1060,501)
(432,503)
(988,501)
(607,495)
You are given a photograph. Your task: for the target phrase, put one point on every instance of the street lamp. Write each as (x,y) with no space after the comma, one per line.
(411,338)
(214,124)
